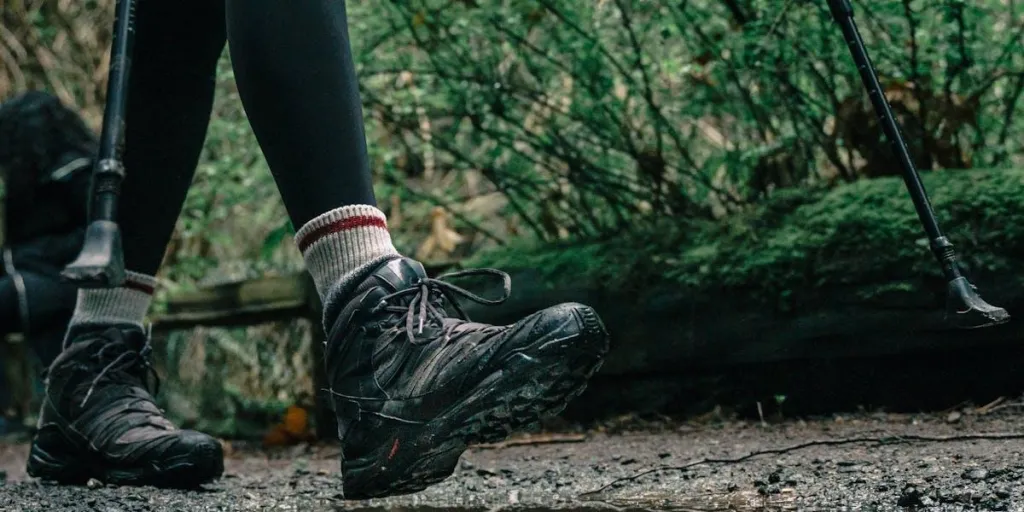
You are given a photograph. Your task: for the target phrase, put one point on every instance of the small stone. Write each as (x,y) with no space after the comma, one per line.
(94,484)
(1002,494)
(466,465)
(927,502)
(774,478)
(976,474)
(954,417)
(513,497)
(910,497)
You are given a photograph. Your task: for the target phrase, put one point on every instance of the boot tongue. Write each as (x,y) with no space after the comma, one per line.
(400,274)
(107,347)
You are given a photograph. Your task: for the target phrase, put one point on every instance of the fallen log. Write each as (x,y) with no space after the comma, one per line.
(825,299)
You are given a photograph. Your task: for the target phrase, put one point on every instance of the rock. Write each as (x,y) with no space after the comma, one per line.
(976,474)
(945,495)
(94,484)
(910,497)
(954,417)
(466,464)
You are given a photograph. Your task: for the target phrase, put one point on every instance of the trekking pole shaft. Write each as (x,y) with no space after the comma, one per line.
(100,263)
(109,170)
(842,13)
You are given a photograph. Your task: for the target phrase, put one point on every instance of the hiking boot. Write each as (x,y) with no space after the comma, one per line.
(99,421)
(412,386)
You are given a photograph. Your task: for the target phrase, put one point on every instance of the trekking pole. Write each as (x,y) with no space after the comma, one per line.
(965,309)
(100,263)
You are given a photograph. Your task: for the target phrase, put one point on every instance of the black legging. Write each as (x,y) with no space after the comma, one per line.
(10,311)
(297,81)
(50,304)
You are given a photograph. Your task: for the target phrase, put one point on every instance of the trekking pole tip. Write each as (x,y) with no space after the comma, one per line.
(101,262)
(965,309)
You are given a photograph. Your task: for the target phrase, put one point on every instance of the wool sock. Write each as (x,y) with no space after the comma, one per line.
(124,306)
(341,247)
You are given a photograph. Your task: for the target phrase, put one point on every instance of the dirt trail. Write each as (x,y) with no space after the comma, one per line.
(949,466)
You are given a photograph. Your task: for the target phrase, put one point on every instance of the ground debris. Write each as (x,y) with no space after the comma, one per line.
(925,464)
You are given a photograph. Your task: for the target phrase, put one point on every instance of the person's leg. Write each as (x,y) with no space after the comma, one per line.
(98,419)
(412,386)
(49,301)
(10,322)
(171,88)
(10,311)
(297,81)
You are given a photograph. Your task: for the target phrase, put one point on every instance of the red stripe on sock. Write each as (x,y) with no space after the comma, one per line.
(346,224)
(139,287)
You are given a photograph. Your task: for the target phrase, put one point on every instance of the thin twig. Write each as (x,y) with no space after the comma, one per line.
(888,440)
(534,441)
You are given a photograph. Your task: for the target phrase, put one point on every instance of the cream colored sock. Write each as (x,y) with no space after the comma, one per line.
(125,305)
(341,246)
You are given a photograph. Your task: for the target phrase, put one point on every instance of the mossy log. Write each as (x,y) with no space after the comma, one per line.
(835,277)
(830,275)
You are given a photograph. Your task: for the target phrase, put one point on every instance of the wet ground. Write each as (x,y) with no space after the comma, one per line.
(968,459)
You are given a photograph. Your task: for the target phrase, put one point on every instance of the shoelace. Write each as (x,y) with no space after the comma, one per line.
(424,307)
(125,361)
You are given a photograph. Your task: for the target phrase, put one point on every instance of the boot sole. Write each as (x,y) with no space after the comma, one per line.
(201,465)
(537,384)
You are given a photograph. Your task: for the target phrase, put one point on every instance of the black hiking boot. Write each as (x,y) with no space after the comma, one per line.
(413,387)
(99,421)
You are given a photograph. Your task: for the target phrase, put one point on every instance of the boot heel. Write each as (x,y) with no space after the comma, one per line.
(50,459)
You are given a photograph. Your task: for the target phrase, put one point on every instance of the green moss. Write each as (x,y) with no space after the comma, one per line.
(865,232)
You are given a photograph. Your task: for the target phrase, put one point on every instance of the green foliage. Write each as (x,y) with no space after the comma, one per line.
(595,116)
(865,232)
